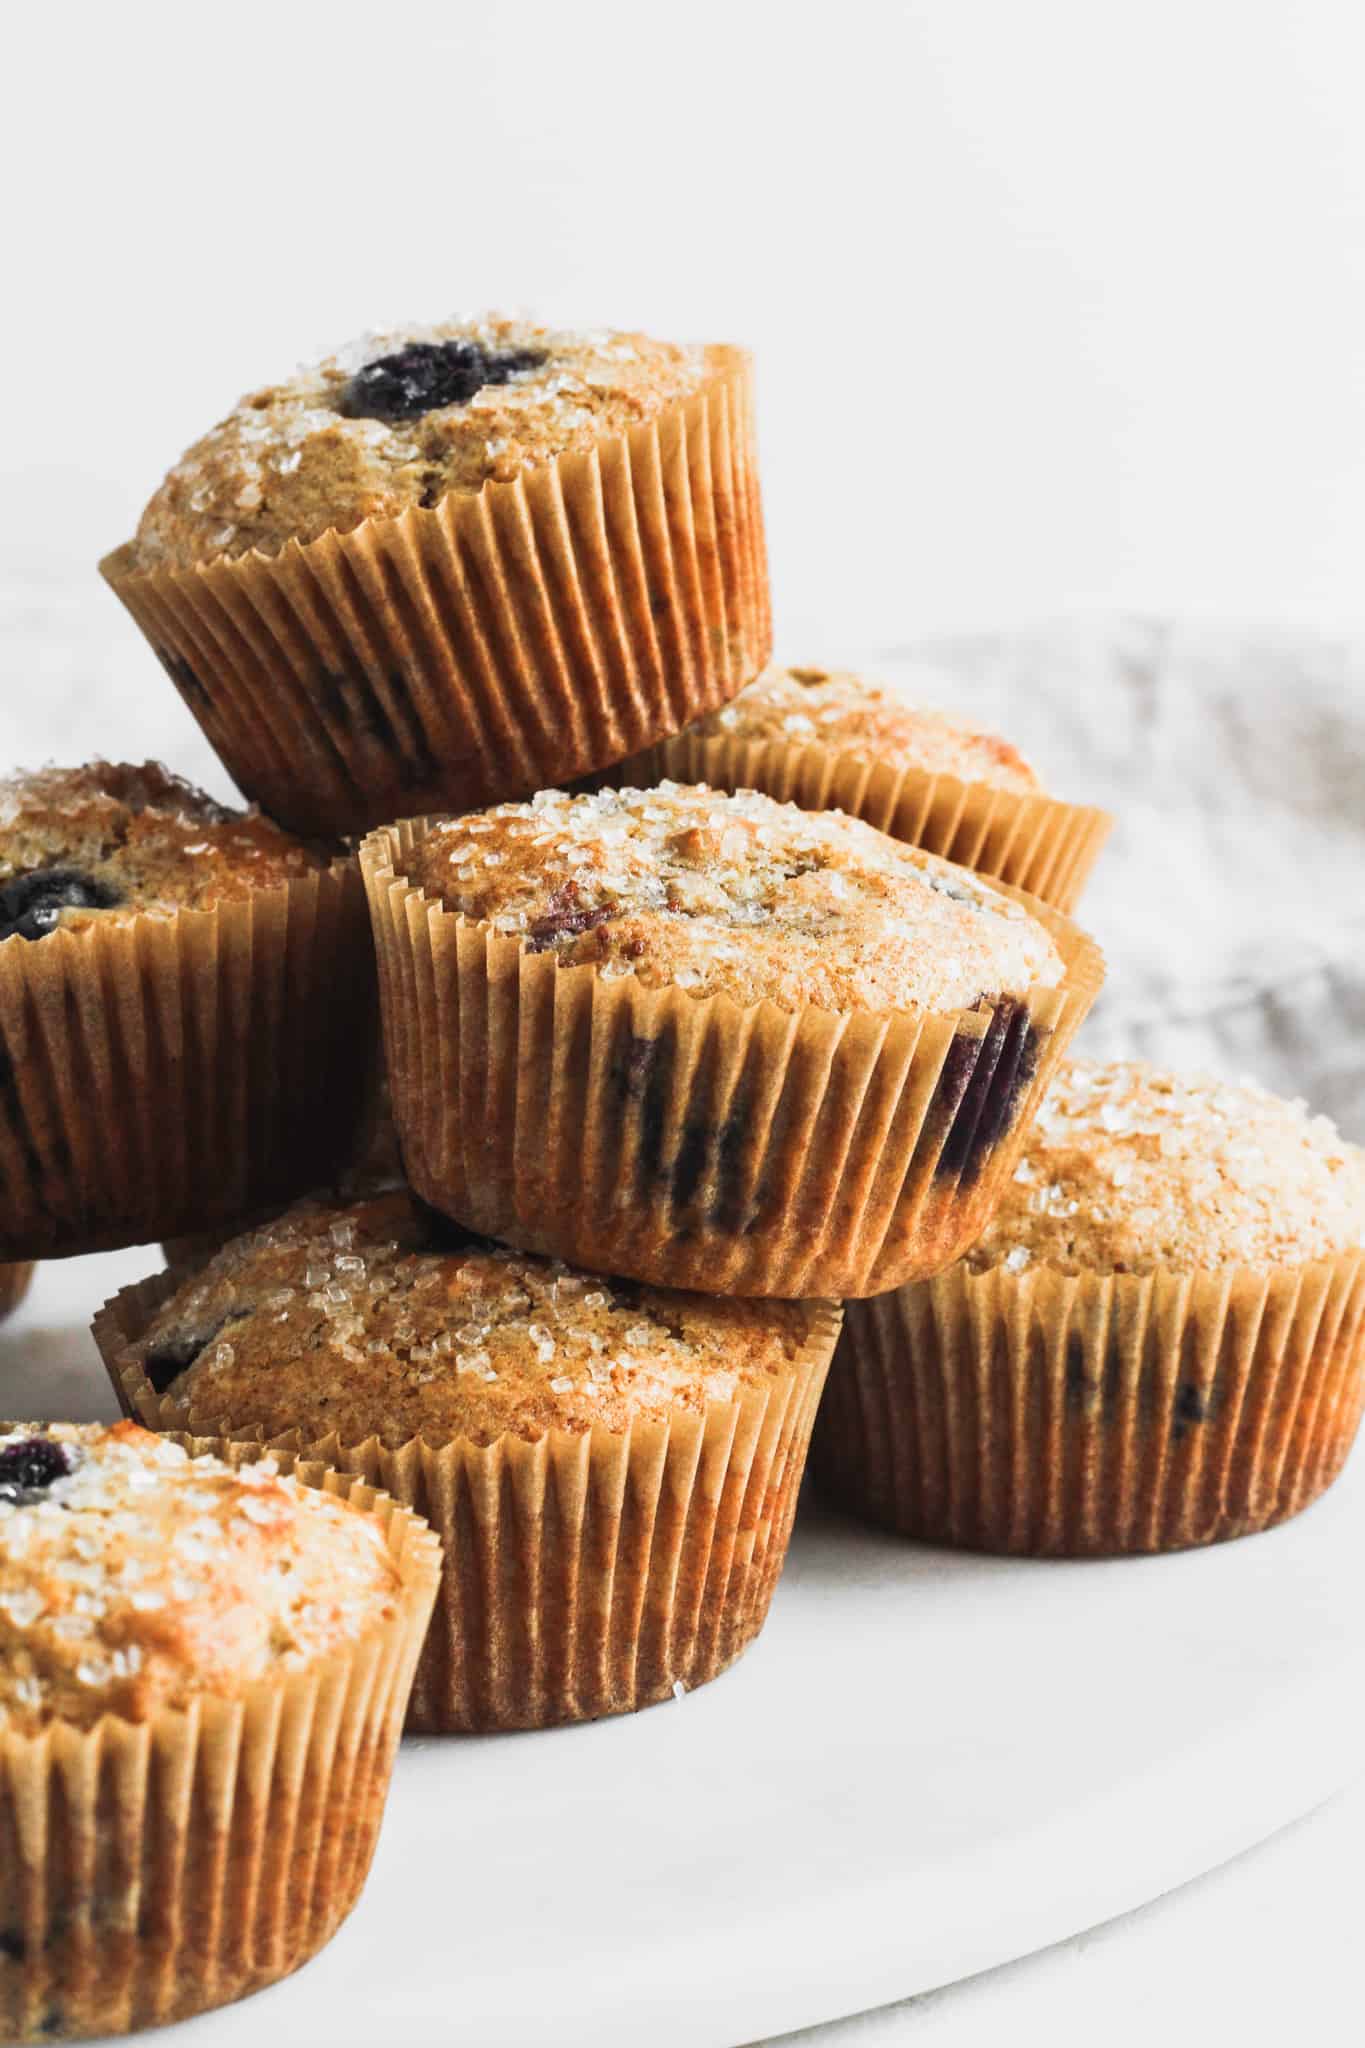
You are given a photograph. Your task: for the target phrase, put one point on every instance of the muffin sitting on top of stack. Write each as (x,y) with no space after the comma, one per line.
(1158,1340)
(454,563)
(712,1041)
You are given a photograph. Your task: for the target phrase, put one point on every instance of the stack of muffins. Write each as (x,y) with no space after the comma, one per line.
(478,1387)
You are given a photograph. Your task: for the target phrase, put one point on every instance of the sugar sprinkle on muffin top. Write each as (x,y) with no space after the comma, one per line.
(133,1577)
(1129,1168)
(378,1318)
(111,839)
(401,419)
(840,710)
(736,895)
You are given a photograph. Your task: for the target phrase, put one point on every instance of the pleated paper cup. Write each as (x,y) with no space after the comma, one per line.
(151,1870)
(162,1073)
(14,1285)
(687,1141)
(496,644)
(1054,1415)
(585,1574)
(1032,841)
(372,1167)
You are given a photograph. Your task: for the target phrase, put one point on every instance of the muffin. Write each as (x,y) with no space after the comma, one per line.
(204,1666)
(451,564)
(1158,1340)
(15,1282)
(831,740)
(712,1041)
(374,1168)
(187,1015)
(613,1470)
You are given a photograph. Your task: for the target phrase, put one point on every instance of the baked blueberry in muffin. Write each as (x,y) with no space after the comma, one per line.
(735,895)
(402,419)
(1160,1332)
(763,1050)
(170,1623)
(455,563)
(81,844)
(186,1009)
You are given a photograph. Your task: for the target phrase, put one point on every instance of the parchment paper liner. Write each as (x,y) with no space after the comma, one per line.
(160,1073)
(493,645)
(684,1140)
(584,1574)
(152,1870)
(1036,842)
(1057,1415)
(15,1282)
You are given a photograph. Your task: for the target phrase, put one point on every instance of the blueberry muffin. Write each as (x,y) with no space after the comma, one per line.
(15,1282)
(711,1040)
(167,1621)
(453,563)
(613,1469)
(1158,1340)
(186,1009)
(375,1168)
(828,739)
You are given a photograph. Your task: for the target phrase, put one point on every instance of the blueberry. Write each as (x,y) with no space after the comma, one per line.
(565,917)
(981,1084)
(427,375)
(31,904)
(164,1363)
(29,1467)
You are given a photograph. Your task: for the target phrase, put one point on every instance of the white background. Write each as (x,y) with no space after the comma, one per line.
(1056,302)
(1058,305)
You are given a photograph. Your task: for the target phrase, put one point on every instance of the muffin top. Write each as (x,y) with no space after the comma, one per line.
(110,839)
(133,1577)
(381,1319)
(400,419)
(845,712)
(1129,1168)
(736,895)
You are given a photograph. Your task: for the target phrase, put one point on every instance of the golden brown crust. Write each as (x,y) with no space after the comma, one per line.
(290,464)
(736,895)
(138,1579)
(845,712)
(375,1320)
(1129,1168)
(151,840)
